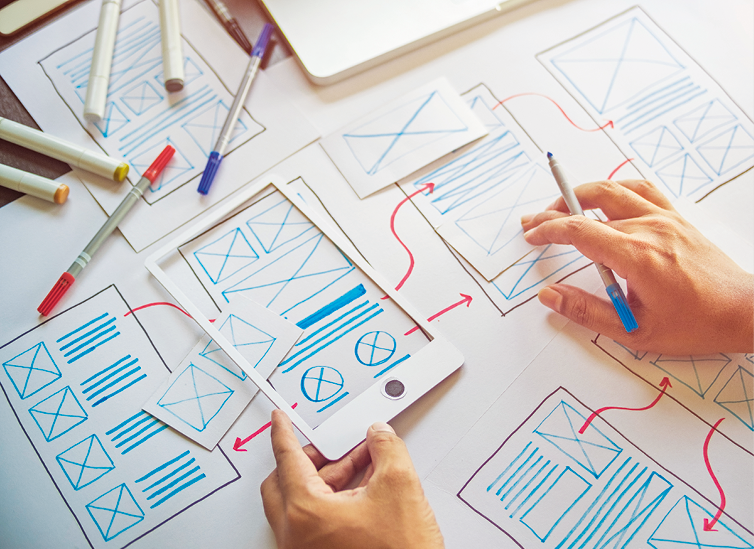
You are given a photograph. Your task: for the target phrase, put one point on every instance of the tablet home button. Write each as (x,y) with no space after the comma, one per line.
(394,389)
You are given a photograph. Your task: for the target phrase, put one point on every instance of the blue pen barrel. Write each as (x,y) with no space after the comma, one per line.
(209,172)
(621,306)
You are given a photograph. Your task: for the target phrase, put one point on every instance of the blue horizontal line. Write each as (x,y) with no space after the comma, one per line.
(335,305)
(82,327)
(341,397)
(98,328)
(91,340)
(393,365)
(161,467)
(114,382)
(182,487)
(170,474)
(109,376)
(322,328)
(155,421)
(119,390)
(105,370)
(143,440)
(173,483)
(92,348)
(133,417)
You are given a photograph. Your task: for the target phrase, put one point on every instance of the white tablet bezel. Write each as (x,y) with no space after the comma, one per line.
(347,427)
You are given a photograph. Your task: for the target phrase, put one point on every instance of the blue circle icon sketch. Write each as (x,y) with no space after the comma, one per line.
(375,348)
(321,383)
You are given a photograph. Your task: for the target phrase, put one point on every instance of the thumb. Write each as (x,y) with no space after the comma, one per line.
(586,309)
(388,452)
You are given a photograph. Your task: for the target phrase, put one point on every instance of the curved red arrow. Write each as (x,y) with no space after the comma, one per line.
(466,299)
(426,186)
(157,303)
(709,524)
(240,442)
(665,383)
(609,122)
(618,168)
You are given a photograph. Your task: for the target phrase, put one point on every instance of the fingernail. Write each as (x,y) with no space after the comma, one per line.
(379,426)
(550,298)
(528,234)
(526,218)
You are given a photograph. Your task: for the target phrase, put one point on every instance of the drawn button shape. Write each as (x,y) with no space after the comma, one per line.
(375,348)
(85,462)
(58,414)
(32,370)
(115,511)
(321,383)
(195,397)
(226,256)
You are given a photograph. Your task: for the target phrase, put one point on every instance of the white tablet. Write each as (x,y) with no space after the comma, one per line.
(365,354)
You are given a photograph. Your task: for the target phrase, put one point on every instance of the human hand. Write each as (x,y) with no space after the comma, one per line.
(687,295)
(307,506)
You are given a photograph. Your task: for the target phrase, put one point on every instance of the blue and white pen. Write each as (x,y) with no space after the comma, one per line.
(608,278)
(216,156)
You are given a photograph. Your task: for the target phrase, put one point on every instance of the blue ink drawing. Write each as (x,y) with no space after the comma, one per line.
(142,97)
(172,173)
(728,150)
(112,380)
(85,462)
(226,256)
(683,177)
(278,225)
(657,146)
(58,414)
(637,355)
(617,65)
(593,451)
(737,396)
(32,370)
(251,342)
(375,348)
(88,337)
(115,511)
(195,397)
(380,142)
(294,277)
(698,373)
(702,120)
(321,383)
(191,72)
(205,126)
(335,305)
(113,121)
(391,366)
(135,431)
(171,478)
(683,528)
(484,113)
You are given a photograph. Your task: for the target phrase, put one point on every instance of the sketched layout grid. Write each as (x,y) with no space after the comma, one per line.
(599,490)
(252,342)
(660,100)
(140,117)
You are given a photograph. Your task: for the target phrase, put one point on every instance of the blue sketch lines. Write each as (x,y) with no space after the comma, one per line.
(205,127)
(279,224)
(684,177)
(113,120)
(195,397)
(321,383)
(89,336)
(698,373)
(422,121)
(171,478)
(252,342)
(226,256)
(703,119)
(657,146)
(728,150)
(112,380)
(142,97)
(115,511)
(617,65)
(58,414)
(737,396)
(176,168)
(135,431)
(85,462)
(32,370)
(375,348)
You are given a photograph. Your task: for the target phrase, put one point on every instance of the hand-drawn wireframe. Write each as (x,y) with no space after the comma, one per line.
(549,485)
(195,397)
(302,276)
(667,112)
(710,386)
(96,448)
(375,348)
(402,137)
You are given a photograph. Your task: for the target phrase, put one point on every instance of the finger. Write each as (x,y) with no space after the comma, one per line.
(615,200)
(648,191)
(317,459)
(529,221)
(367,475)
(295,469)
(273,501)
(389,454)
(339,474)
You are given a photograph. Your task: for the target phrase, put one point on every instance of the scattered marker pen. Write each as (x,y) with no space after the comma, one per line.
(69,277)
(230,24)
(102,60)
(33,184)
(216,156)
(172,45)
(608,278)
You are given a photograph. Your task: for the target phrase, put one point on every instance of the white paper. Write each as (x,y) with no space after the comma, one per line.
(207,392)
(397,139)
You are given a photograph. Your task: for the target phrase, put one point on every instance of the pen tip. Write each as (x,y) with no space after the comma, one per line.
(549,155)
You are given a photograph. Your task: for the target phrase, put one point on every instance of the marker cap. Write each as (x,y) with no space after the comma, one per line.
(57,292)
(209,172)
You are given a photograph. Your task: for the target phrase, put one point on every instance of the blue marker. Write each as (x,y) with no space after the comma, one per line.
(216,156)
(608,278)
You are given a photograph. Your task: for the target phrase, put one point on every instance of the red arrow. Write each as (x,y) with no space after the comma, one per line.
(609,122)
(239,442)
(618,168)
(709,524)
(466,299)
(426,186)
(665,383)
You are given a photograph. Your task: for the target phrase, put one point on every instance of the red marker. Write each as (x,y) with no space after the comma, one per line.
(68,277)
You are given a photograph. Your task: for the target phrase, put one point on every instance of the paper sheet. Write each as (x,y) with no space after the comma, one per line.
(49,70)
(207,392)
(402,136)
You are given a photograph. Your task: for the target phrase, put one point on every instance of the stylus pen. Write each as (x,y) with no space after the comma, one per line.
(102,59)
(33,184)
(230,24)
(216,156)
(65,151)
(608,278)
(172,45)
(69,277)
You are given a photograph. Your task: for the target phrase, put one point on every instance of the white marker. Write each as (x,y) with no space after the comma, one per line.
(102,59)
(33,184)
(65,151)
(172,47)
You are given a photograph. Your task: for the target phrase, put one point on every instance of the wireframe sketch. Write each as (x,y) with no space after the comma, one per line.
(351,337)
(549,485)
(75,384)
(666,110)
